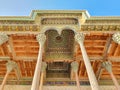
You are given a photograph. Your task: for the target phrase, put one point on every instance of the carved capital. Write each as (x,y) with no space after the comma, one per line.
(107,65)
(75,66)
(11,65)
(116,37)
(79,37)
(3,38)
(41,38)
(44,66)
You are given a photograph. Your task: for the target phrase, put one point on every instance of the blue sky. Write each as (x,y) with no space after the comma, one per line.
(94,7)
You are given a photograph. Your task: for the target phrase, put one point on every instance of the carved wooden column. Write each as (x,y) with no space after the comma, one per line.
(41,39)
(75,67)
(107,65)
(93,81)
(43,69)
(10,66)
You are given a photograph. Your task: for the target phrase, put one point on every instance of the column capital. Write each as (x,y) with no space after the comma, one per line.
(75,66)
(41,38)
(11,65)
(3,38)
(44,66)
(107,65)
(80,37)
(116,37)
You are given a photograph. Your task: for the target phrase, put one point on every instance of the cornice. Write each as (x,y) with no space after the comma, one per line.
(104,18)
(100,27)
(35,12)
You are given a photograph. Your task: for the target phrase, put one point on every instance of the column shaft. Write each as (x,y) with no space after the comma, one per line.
(75,68)
(115,81)
(37,70)
(10,66)
(4,81)
(41,81)
(108,66)
(91,75)
(77,81)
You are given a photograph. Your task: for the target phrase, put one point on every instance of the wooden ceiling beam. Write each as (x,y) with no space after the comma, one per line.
(113,58)
(92,58)
(4,58)
(25,58)
(95,41)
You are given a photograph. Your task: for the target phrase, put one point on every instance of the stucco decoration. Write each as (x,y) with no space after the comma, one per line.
(60,28)
(3,38)
(107,65)
(41,38)
(59,47)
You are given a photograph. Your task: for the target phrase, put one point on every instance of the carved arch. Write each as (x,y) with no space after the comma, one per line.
(59,29)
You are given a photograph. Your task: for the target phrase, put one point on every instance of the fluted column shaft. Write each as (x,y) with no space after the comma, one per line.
(75,67)
(107,65)
(41,39)
(43,69)
(10,66)
(93,81)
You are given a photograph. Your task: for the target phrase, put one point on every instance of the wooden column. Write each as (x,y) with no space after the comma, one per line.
(93,81)
(41,39)
(43,69)
(75,67)
(107,65)
(10,66)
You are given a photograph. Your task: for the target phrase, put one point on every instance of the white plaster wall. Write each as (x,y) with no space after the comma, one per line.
(26,87)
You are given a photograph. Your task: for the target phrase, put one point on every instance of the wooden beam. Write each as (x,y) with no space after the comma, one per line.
(92,58)
(4,58)
(112,58)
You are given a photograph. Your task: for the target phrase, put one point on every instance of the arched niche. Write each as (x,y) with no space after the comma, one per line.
(59,47)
